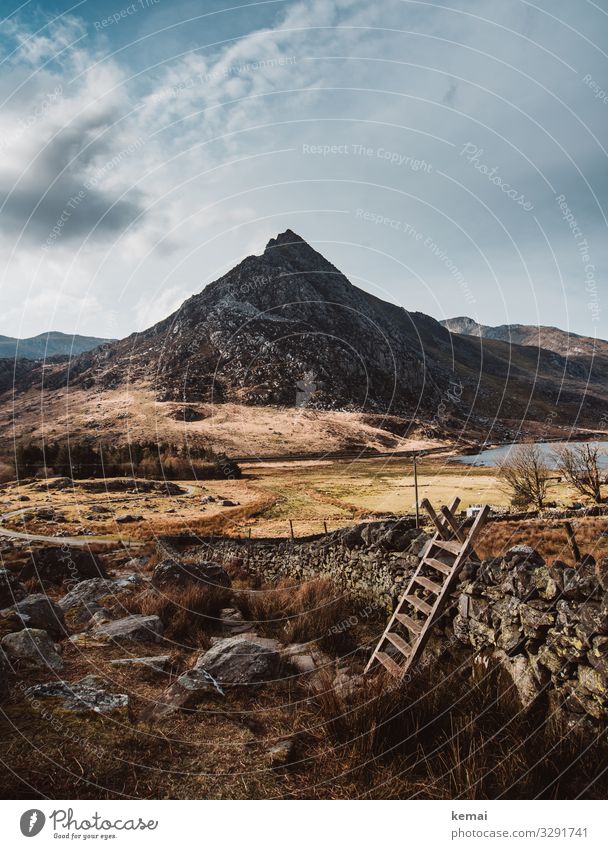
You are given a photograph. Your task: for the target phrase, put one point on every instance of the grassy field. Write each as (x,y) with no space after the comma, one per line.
(313,494)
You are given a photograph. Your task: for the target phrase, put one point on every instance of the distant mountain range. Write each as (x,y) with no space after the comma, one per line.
(550,338)
(287,329)
(45,345)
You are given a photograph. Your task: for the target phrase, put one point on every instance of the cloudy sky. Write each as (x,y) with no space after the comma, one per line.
(449,157)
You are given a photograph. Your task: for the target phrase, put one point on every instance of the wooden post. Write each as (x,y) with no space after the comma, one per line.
(416,492)
(325,525)
(576,553)
(291,528)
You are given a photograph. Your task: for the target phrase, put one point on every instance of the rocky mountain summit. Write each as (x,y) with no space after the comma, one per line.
(287,328)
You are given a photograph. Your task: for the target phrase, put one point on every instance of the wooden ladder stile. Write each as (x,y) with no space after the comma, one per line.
(428,591)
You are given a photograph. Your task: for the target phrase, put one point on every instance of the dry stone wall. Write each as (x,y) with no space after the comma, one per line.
(370,561)
(544,625)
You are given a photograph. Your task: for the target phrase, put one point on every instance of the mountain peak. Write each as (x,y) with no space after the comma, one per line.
(288,237)
(292,253)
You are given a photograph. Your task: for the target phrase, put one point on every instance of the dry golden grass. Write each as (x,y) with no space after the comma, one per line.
(548,537)
(189,614)
(299,612)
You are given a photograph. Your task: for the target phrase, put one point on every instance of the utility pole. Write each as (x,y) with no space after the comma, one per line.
(416,490)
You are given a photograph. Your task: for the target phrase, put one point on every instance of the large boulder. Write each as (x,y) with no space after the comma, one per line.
(172,573)
(238,661)
(89,695)
(131,629)
(33,647)
(56,564)
(39,611)
(11,589)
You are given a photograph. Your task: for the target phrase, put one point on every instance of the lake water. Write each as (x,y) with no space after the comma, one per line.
(495,456)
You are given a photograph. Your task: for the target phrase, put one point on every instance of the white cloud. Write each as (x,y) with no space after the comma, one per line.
(193,163)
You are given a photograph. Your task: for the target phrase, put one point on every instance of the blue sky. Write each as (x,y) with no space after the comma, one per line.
(449,157)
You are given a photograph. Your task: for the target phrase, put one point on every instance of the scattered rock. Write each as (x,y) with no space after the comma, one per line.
(280,754)
(232,622)
(131,629)
(147,667)
(81,602)
(189,689)
(127,519)
(39,611)
(87,695)
(34,647)
(237,661)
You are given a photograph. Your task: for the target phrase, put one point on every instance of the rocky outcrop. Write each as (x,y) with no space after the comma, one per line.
(32,647)
(189,690)
(545,625)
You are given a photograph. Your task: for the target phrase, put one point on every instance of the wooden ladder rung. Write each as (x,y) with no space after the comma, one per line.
(388,663)
(409,623)
(399,643)
(428,585)
(438,565)
(449,545)
(417,602)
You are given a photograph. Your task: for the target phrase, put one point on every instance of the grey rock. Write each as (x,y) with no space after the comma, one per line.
(128,519)
(130,629)
(39,611)
(192,687)
(237,661)
(147,667)
(521,679)
(87,695)
(34,647)
(81,601)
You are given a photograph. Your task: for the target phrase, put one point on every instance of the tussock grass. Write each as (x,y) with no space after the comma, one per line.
(188,613)
(300,613)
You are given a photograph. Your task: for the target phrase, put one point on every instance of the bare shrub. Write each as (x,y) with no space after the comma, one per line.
(526,474)
(580,466)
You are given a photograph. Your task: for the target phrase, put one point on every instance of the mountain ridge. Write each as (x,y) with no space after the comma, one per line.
(50,344)
(564,342)
(286,329)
